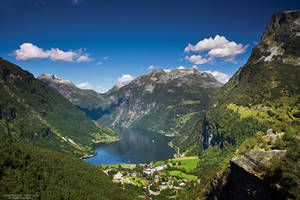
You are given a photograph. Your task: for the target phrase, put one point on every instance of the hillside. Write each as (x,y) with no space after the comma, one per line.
(32,112)
(28,171)
(263,97)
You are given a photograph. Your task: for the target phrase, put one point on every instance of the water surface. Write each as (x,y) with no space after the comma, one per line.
(135,146)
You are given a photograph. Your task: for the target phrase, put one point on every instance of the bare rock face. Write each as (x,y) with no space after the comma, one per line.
(255,161)
(115,88)
(281,39)
(65,87)
(244,182)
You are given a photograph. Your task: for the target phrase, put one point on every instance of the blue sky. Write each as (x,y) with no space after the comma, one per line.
(104,42)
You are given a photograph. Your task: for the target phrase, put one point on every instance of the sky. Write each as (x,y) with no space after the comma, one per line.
(99,43)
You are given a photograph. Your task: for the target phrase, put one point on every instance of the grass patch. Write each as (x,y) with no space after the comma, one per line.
(182,175)
(158,163)
(187,164)
(138,181)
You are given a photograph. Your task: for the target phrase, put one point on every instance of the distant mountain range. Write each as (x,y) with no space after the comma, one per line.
(163,101)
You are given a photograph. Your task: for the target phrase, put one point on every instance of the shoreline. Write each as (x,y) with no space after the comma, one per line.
(177,150)
(101,141)
(98,142)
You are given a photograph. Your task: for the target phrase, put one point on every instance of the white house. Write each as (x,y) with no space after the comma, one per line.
(118,176)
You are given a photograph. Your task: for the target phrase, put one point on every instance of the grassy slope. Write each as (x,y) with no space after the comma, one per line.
(32,112)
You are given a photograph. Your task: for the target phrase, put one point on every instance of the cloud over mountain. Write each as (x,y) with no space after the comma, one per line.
(197,59)
(151,67)
(222,77)
(218,47)
(125,78)
(85,85)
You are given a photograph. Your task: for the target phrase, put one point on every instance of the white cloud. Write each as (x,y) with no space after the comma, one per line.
(218,47)
(197,59)
(125,78)
(85,85)
(181,67)
(84,58)
(151,67)
(29,51)
(195,67)
(230,50)
(105,58)
(99,63)
(222,77)
(59,55)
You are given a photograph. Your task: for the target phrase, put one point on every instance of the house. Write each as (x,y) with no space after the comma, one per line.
(157,168)
(163,187)
(149,171)
(161,167)
(118,176)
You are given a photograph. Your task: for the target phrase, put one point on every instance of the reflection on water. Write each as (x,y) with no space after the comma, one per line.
(136,146)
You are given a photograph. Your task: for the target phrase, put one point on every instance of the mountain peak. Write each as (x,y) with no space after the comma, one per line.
(115,88)
(281,40)
(53,78)
(183,76)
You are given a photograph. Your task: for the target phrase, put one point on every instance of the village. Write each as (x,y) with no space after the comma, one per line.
(156,177)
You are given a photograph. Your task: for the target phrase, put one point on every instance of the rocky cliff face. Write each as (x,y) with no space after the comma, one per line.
(280,41)
(244,180)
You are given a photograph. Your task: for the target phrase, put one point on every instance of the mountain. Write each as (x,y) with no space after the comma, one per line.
(267,83)
(163,101)
(115,88)
(83,98)
(261,99)
(32,112)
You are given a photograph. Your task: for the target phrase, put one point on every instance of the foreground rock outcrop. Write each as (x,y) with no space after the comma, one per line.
(245,178)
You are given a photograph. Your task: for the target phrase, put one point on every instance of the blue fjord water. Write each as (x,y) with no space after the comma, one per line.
(135,146)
